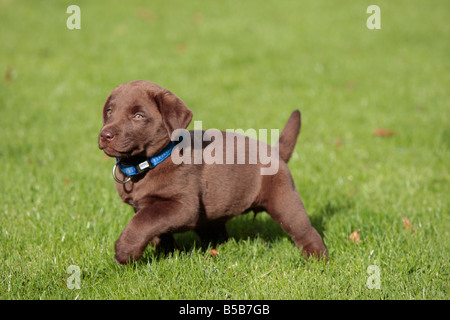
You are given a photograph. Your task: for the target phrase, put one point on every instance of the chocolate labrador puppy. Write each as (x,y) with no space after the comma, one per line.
(140,120)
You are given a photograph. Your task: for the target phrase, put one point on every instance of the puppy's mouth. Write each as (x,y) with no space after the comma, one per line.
(113,153)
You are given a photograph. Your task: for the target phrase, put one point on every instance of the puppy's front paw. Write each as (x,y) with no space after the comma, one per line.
(126,252)
(315,250)
(123,258)
(313,246)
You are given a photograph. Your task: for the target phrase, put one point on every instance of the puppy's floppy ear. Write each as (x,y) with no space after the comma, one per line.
(174,112)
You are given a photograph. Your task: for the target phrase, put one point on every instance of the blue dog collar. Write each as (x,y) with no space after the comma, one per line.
(131,170)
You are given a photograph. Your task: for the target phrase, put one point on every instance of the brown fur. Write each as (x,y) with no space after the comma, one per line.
(202,197)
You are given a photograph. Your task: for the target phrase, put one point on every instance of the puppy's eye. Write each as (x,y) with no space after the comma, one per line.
(138,116)
(108,112)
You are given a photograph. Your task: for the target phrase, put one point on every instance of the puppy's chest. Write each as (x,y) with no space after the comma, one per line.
(139,194)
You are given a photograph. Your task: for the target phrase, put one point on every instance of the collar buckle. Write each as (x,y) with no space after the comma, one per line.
(146,165)
(128,178)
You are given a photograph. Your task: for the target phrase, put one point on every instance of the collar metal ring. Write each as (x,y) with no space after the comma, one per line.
(117,179)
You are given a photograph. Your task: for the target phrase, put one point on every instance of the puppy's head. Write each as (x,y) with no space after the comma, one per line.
(139,118)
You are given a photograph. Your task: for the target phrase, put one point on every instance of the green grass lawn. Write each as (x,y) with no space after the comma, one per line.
(236,65)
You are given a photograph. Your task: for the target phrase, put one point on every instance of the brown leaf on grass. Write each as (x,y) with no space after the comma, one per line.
(380,132)
(145,14)
(214,252)
(9,75)
(350,85)
(338,143)
(181,47)
(197,18)
(354,237)
(406,223)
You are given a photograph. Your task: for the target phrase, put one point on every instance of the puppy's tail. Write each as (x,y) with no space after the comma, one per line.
(289,135)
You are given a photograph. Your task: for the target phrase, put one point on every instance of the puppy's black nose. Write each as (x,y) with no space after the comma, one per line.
(106,135)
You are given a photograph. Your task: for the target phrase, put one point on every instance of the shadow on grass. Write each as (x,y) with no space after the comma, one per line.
(249,226)
(326,211)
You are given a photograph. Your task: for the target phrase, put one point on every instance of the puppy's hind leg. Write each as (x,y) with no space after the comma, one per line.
(284,205)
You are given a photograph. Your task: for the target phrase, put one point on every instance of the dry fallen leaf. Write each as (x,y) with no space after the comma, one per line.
(214,252)
(354,236)
(380,132)
(350,85)
(145,14)
(197,18)
(9,75)
(406,223)
(181,47)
